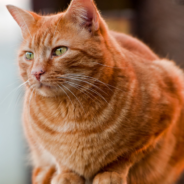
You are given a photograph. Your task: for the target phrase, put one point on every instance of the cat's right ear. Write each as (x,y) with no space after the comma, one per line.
(84,13)
(24,19)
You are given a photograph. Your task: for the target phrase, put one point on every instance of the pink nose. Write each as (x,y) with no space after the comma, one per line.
(38,74)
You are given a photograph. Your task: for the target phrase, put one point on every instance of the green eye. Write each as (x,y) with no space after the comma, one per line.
(59,51)
(29,55)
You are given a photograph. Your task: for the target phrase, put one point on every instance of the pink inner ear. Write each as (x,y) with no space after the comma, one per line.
(88,19)
(92,18)
(90,10)
(89,16)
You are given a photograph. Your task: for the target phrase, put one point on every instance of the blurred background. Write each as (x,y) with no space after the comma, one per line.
(158,23)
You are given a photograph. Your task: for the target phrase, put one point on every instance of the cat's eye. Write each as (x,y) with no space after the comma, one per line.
(59,51)
(29,55)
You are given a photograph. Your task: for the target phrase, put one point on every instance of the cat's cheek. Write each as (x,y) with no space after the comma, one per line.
(24,72)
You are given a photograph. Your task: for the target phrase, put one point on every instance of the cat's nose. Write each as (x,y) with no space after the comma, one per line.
(38,74)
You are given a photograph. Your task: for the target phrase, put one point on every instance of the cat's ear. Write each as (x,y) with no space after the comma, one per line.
(24,19)
(84,13)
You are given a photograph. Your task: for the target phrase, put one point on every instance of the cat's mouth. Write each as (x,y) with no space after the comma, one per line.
(47,90)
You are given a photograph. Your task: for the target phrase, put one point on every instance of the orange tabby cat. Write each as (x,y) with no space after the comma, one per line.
(100,107)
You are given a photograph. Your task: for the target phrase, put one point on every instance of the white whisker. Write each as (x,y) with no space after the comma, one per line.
(18,98)
(95,79)
(14,90)
(12,83)
(93,92)
(91,78)
(74,96)
(67,95)
(86,82)
(76,86)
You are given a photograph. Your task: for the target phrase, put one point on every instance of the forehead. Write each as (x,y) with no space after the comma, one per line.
(41,37)
(44,31)
(53,31)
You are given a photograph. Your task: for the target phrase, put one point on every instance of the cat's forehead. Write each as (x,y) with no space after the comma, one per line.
(49,20)
(47,32)
(47,25)
(53,31)
(46,39)
(41,38)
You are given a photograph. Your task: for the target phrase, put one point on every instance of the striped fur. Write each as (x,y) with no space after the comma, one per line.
(108,111)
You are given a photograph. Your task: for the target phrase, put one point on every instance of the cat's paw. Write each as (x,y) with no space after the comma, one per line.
(42,175)
(108,178)
(68,178)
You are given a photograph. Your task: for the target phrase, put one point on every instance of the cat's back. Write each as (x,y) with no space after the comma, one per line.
(134,45)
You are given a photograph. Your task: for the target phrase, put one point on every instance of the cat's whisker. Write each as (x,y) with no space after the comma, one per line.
(93,92)
(16,102)
(108,85)
(85,82)
(60,102)
(95,79)
(69,99)
(76,86)
(12,83)
(66,94)
(14,90)
(91,78)
(91,89)
(18,98)
(74,96)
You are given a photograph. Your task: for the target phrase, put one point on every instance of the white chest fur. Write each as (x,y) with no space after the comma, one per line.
(75,150)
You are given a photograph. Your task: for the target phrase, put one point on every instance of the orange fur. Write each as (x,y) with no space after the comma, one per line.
(108,111)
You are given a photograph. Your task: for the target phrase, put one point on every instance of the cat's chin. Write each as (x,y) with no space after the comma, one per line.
(48,91)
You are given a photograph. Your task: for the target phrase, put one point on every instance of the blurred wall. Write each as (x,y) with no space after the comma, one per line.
(160,24)
(13,156)
(51,6)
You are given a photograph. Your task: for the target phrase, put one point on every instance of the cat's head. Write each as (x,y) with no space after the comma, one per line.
(60,46)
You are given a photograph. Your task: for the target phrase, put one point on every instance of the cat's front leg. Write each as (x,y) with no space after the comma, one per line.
(114,173)
(43,175)
(109,178)
(67,178)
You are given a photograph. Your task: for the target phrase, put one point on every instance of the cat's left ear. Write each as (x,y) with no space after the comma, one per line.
(84,13)
(24,19)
